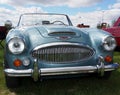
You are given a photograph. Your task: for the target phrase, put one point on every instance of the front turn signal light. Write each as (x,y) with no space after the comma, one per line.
(17,62)
(108,59)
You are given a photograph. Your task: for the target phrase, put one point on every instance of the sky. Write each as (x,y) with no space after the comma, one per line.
(89,12)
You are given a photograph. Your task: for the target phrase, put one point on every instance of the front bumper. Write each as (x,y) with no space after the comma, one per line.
(60,71)
(35,72)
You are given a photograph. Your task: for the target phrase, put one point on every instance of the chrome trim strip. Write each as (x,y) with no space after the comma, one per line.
(18,73)
(60,43)
(59,70)
(68,70)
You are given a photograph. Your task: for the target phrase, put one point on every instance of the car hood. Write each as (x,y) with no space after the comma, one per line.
(38,35)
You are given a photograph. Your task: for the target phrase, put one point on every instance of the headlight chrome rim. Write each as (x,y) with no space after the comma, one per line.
(16,45)
(109,43)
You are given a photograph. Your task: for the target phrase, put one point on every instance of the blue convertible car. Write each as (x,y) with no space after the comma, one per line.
(46,44)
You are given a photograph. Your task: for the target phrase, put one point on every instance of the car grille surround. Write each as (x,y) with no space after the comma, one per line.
(65,52)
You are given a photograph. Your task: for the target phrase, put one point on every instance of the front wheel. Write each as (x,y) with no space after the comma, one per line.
(12,82)
(106,75)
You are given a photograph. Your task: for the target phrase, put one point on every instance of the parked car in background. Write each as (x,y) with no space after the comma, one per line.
(115,31)
(46,44)
(83,26)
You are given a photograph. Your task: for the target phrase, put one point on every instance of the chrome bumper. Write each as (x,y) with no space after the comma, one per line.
(35,72)
(61,70)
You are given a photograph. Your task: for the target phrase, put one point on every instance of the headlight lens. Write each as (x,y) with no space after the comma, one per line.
(109,43)
(26,62)
(16,45)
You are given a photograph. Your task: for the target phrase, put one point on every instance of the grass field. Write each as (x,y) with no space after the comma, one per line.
(75,86)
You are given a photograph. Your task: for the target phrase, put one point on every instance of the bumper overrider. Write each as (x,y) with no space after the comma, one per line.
(36,73)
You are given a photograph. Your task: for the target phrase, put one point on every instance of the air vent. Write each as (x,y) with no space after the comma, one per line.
(62,34)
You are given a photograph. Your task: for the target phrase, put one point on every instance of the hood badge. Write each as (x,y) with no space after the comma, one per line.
(63,37)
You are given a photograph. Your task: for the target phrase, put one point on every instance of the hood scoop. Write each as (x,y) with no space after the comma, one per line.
(59,31)
(62,33)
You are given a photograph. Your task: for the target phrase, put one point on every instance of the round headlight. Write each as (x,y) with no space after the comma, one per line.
(109,43)
(16,45)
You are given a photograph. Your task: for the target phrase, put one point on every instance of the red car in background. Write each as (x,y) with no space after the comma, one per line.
(115,31)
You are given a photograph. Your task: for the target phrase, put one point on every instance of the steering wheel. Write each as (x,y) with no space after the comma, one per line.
(59,22)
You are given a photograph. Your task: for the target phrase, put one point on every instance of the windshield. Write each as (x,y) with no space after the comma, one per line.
(43,19)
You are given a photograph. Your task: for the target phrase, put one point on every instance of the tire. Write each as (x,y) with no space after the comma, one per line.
(106,75)
(12,82)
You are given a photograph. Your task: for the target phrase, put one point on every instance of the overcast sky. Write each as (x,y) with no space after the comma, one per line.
(90,12)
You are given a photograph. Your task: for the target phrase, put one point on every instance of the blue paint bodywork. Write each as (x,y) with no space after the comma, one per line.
(35,36)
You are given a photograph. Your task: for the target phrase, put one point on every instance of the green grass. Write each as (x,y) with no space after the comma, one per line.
(75,86)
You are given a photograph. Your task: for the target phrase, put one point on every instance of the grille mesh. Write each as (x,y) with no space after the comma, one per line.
(63,53)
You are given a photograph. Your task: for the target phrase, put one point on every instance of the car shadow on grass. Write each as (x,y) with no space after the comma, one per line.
(88,85)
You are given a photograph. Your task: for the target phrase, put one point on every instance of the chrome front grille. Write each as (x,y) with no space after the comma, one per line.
(62,53)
